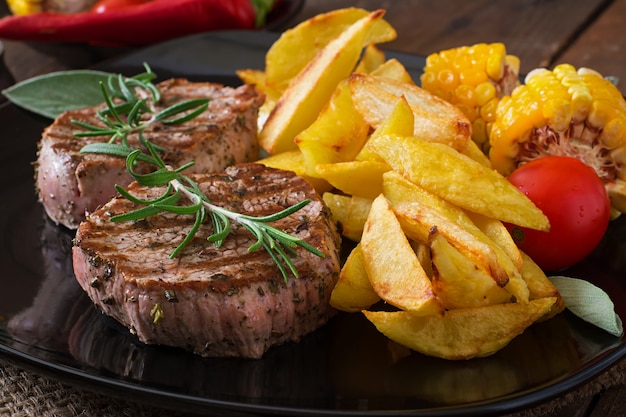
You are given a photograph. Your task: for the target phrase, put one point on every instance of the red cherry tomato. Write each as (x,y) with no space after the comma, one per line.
(575,201)
(104,6)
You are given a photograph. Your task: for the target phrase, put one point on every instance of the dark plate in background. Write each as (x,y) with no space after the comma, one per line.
(346,368)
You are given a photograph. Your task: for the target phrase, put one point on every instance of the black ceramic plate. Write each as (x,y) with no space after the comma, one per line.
(345,368)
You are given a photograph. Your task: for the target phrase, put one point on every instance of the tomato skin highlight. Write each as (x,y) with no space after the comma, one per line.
(575,201)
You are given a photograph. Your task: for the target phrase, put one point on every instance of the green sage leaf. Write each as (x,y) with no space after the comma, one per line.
(51,94)
(590,303)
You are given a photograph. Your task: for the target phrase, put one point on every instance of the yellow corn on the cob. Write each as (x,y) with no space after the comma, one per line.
(564,112)
(473,78)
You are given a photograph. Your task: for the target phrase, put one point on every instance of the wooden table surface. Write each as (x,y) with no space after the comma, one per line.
(589,33)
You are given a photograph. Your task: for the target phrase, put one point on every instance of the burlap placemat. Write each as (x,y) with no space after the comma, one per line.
(25,393)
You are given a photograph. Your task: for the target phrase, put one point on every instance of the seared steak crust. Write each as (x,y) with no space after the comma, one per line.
(213,301)
(71,184)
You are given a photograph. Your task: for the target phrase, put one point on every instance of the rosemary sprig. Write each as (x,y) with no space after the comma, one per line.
(128,111)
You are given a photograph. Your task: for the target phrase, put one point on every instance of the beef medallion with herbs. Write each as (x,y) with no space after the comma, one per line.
(226,301)
(71,183)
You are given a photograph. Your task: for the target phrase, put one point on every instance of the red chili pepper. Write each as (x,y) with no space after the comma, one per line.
(147,23)
(104,6)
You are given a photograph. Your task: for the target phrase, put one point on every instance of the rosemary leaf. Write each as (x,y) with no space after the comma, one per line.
(166,198)
(156,178)
(124,118)
(197,105)
(139,214)
(115,150)
(200,216)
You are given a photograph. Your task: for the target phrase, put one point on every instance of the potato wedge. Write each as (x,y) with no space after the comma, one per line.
(473,151)
(462,333)
(353,291)
(458,282)
(311,89)
(399,122)
(337,135)
(540,286)
(372,58)
(419,211)
(294,161)
(394,70)
(392,266)
(257,78)
(358,178)
(350,212)
(436,120)
(458,179)
(422,250)
(499,234)
(297,46)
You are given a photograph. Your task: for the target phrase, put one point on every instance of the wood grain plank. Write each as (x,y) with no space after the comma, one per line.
(603,45)
(610,403)
(534,30)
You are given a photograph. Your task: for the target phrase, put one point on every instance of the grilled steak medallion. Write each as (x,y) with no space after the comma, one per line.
(214,302)
(70,184)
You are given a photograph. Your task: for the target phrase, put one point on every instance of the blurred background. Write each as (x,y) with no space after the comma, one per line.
(589,33)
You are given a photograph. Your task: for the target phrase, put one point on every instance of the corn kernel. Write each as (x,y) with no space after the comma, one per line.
(429,81)
(433,61)
(472,76)
(558,114)
(485,92)
(513,63)
(465,95)
(614,133)
(580,102)
(479,132)
(495,61)
(601,113)
(469,111)
(447,79)
(488,110)
(619,156)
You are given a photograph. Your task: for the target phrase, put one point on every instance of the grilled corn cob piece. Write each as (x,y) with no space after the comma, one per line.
(23,7)
(564,112)
(473,78)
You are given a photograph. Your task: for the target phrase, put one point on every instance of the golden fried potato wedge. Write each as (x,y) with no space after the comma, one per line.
(298,46)
(294,161)
(350,212)
(337,135)
(373,57)
(312,88)
(458,179)
(498,233)
(458,282)
(436,120)
(540,286)
(422,250)
(394,70)
(473,151)
(392,266)
(462,333)
(353,291)
(258,79)
(358,178)
(399,122)
(419,211)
